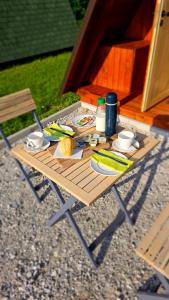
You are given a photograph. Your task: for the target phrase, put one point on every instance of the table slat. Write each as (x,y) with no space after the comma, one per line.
(78,171)
(75,167)
(95,183)
(51,163)
(48,160)
(44,156)
(82,176)
(88,179)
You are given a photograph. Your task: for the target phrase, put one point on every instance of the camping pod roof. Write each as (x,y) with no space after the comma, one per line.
(107,22)
(35,27)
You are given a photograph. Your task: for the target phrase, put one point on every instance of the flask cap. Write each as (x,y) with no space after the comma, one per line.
(111,98)
(101,100)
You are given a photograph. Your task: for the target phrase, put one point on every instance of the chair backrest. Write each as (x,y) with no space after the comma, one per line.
(154,247)
(16,104)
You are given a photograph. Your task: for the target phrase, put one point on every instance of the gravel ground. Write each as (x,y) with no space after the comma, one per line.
(37,262)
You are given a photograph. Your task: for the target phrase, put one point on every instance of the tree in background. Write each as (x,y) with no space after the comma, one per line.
(79,8)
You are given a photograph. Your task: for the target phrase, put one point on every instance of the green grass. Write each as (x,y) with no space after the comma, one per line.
(43,77)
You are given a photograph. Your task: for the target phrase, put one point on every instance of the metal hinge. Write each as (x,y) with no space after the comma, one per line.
(165,14)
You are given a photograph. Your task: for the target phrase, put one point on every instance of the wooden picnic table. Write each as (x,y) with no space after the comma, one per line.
(78,179)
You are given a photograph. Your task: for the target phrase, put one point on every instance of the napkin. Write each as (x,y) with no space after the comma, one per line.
(57,134)
(110,163)
(77,153)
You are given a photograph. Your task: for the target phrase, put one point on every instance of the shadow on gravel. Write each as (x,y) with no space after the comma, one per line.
(150,162)
(44,183)
(105,237)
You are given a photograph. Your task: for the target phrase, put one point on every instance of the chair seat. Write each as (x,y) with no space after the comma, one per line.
(154,247)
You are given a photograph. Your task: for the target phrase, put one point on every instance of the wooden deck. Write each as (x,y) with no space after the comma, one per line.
(130,105)
(90,93)
(157,116)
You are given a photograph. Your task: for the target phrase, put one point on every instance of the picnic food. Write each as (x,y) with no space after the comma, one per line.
(67,146)
(93,142)
(85,121)
(102,140)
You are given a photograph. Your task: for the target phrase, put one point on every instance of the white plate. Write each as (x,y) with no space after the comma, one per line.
(30,149)
(98,168)
(117,147)
(78,118)
(53,138)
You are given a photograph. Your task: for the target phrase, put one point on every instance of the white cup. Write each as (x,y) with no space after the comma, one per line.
(125,139)
(35,139)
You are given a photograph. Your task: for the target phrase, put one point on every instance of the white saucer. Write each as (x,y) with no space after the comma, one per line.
(132,148)
(98,168)
(31,149)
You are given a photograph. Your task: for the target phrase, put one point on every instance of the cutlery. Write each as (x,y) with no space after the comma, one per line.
(115,159)
(54,129)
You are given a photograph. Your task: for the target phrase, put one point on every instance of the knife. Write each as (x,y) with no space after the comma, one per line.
(61,131)
(115,159)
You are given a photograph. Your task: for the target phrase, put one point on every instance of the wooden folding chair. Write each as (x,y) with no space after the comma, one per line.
(154,249)
(12,106)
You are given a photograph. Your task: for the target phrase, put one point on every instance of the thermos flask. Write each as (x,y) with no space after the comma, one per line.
(111,114)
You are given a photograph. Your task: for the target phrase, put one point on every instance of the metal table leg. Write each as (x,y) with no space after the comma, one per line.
(25,175)
(23,171)
(155,296)
(57,216)
(164,281)
(65,210)
(121,204)
(149,296)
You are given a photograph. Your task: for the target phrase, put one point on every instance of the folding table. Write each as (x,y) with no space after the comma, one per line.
(80,181)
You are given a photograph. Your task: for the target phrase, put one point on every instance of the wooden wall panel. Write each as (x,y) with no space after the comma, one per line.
(139,71)
(141,24)
(120,67)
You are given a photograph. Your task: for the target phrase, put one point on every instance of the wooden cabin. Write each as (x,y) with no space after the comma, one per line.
(123,46)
